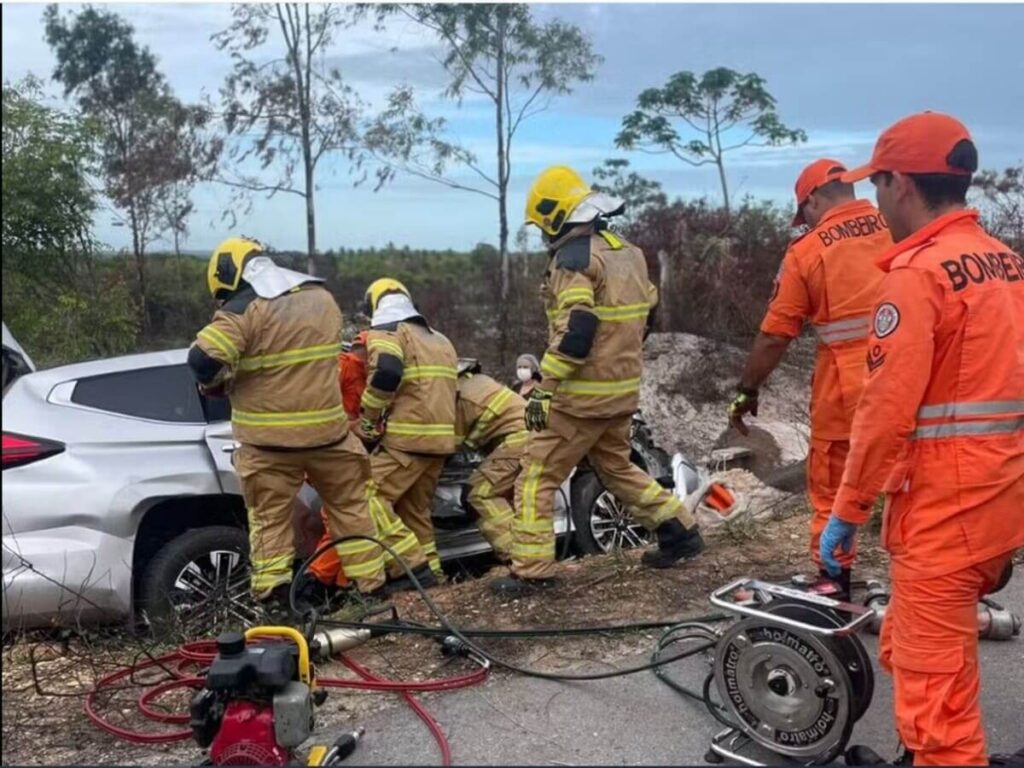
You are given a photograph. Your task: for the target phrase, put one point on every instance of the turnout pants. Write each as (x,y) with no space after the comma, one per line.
(405,484)
(491,488)
(929,644)
(270,482)
(825,464)
(549,458)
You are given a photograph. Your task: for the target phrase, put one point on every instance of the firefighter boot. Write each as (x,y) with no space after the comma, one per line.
(842,581)
(423,575)
(513,587)
(675,543)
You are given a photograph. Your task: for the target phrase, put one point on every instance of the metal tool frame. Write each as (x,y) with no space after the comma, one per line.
(726,744)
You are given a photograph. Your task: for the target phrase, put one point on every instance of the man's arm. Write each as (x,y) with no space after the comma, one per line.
(789,305)
(900,353)
(575,323)
(385,365)
(215,353)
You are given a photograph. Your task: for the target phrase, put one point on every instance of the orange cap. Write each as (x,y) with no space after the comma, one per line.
(921,143)
(817,174)
(360,339)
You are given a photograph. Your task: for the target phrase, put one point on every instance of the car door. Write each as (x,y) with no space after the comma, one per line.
(220,441)
(222,446)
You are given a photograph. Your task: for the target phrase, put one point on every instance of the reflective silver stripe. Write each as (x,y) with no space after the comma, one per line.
(844,330)
(984,408)
(999,426)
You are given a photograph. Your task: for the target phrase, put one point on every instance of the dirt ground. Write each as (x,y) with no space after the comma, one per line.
(44,721)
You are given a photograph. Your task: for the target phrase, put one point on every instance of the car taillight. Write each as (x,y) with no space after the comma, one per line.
(21,449)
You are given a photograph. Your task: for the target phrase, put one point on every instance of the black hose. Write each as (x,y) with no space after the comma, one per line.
(455,631)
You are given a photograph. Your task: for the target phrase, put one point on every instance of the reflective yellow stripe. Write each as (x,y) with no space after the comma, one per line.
(269,572)
(516,438)
(533,551)
(429,372)
(370,400)
(221,342)
(404,546)
(357,547)
(578,295)
(286,418)
(611,239)
(541,525)
(667,510)
(363,570)
(599,388)
(291,357)
(495,407)
(409,429)
(391,347)
(531,481)
(650,492)
(623,313)
(554,367)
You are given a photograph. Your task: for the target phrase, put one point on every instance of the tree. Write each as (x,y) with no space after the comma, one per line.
(720,111)
(1002,204)
(57,299)
(614,178)
(500,53)
(298,111)
(149,140)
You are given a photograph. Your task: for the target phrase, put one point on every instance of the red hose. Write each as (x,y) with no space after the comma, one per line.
(196,656)
(421,712)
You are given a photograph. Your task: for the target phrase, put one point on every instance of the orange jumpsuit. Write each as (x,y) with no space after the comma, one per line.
(829,277)
(352,380)
(940,430)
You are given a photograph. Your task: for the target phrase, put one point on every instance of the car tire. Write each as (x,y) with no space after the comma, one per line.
(593,510)
(171,594)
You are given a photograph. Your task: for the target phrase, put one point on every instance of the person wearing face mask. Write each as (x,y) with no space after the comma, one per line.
(527,374)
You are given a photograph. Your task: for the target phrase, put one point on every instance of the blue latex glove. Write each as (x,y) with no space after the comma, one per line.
(838,533)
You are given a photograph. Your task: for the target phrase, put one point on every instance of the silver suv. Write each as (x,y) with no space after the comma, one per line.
(120,501)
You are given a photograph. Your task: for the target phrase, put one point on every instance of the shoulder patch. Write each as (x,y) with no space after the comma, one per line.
(574,255)
(237,304)
(887,319)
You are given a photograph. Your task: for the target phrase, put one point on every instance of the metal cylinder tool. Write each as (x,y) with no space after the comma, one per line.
(995,622)
(792,674)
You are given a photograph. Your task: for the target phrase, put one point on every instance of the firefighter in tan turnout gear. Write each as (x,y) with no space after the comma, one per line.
(272,347)
(599,302)
(408,412)
(490,419)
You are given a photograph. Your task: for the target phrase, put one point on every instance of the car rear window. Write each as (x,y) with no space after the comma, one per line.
(165,393)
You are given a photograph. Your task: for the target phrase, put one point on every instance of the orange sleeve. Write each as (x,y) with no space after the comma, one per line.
(899,363)
(790,302)
(351,376)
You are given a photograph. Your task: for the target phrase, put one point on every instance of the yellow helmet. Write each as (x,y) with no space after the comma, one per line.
(379,288)
(224,271)
(553,197)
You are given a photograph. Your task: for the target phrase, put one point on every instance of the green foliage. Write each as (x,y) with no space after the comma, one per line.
(58,301)
(690,117)
(47,201)
(614,178)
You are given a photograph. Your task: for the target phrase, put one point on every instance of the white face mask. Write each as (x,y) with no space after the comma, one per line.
(524,374)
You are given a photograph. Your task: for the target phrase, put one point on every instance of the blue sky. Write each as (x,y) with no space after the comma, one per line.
(840,72)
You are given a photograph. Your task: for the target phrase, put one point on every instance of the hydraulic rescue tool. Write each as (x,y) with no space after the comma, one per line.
(995,622)
(256,705)
(791,673)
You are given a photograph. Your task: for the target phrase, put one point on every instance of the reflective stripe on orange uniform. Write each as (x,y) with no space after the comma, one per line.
(940,429)
(829,278)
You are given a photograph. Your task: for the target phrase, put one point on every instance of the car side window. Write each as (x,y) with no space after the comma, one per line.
(164,393)
(217,408)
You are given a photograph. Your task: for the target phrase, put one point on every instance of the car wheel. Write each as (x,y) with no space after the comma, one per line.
(601,522)
(197,585)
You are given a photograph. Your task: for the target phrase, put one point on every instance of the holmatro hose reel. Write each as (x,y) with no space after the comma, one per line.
(791,673)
